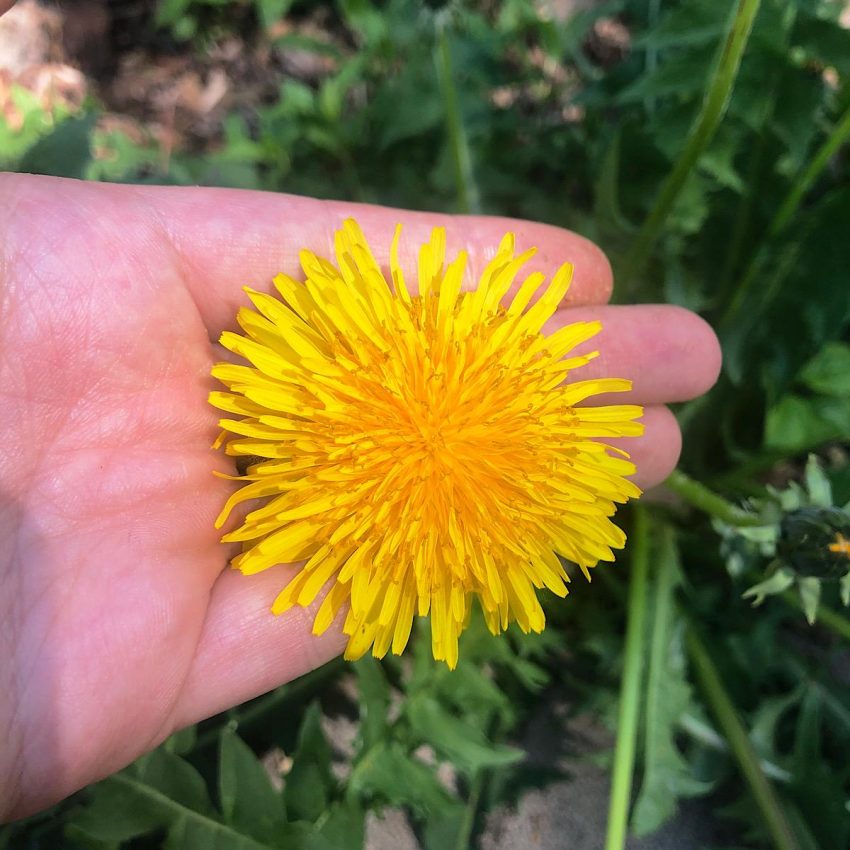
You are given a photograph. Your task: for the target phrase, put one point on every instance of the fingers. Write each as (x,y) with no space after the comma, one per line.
(244,651)
(656,453)
(227,239)
(668,353)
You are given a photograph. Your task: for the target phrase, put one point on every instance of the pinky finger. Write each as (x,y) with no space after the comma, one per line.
(656,453)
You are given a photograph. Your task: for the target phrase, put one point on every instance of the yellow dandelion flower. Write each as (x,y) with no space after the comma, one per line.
(417,448)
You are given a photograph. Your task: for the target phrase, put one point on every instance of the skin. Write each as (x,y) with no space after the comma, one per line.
(119,620)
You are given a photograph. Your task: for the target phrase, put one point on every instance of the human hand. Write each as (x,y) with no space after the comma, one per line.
(118,621)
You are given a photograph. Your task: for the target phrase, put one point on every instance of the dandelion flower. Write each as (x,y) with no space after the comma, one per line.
(419,447)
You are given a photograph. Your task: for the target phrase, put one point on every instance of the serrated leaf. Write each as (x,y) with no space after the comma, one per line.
(160,791)
(248,800)
(765,723)
(461,742)
(666,776)
(475,694)
(310,782)
(781,580)
(387,774)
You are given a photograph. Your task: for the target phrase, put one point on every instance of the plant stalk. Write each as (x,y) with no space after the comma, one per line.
(629,709)
(787,209)
(467,191)
(464,838)
(701,133)
(739,742)
(839,135)
(699,496)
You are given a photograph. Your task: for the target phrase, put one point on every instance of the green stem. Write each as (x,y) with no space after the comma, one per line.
(467,191)
(627,722)
(748,762)
(826,616)
(701,497)
(702,131)
(839,135)
(464,836)
(741,230)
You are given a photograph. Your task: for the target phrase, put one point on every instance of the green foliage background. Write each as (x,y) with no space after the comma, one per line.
(734,202)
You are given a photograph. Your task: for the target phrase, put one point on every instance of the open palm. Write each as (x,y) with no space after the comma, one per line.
(118,620)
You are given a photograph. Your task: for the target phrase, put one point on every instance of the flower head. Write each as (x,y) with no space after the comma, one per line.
(419,448)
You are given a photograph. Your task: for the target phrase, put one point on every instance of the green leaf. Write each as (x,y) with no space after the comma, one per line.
(828,372)
(666,775)
(115,814)
(160,791)
(765,725)
(182,741)
(781,580)
(797,424)
(271,11)
(443,832)
(310,783)
(474,693)
(248,800)
(809,589)
(606,206)
(386,774)
(169,12)
(819,787)
(461,742)
(374,701)
(343,826)
(817,484)
(687,23)
(66,152)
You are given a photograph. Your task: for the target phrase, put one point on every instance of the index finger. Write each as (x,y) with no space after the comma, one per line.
(228,238)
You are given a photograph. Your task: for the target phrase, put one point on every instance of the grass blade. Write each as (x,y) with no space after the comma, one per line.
(732,728)
(629,711)
(702,131)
